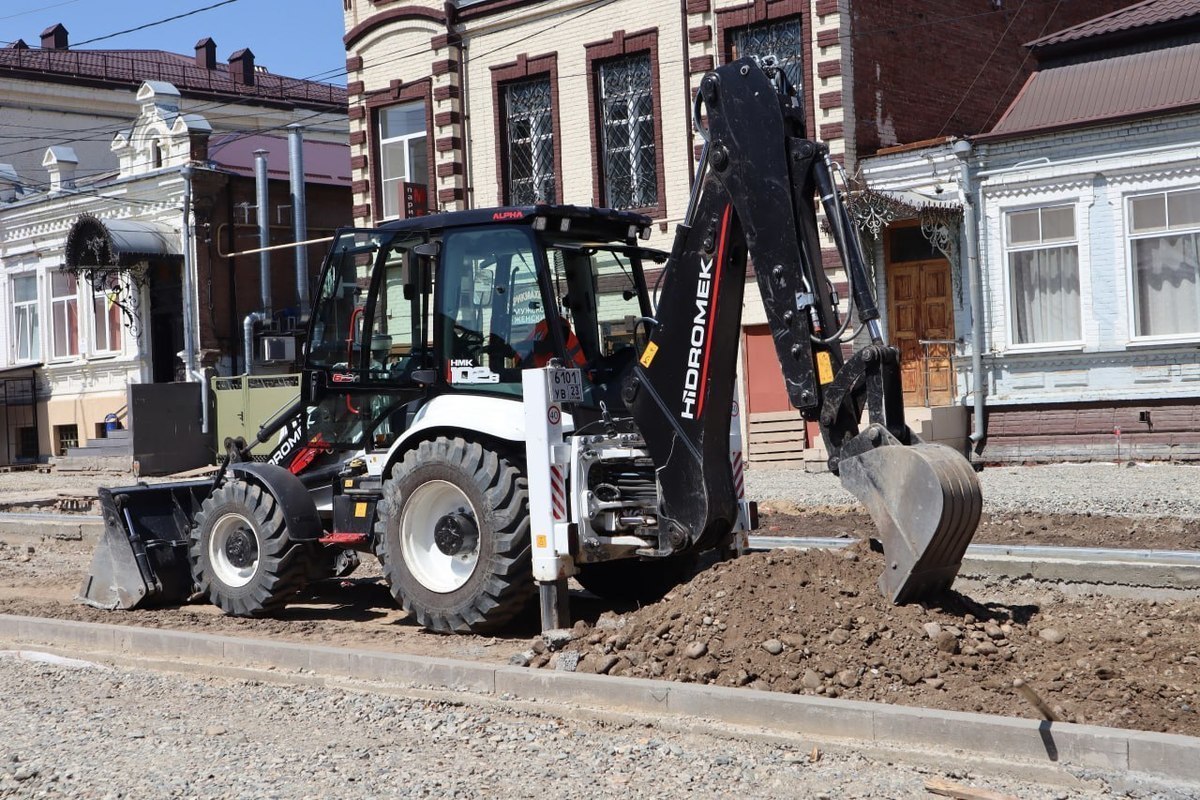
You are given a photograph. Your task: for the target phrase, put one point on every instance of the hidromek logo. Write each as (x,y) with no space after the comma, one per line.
(691,378)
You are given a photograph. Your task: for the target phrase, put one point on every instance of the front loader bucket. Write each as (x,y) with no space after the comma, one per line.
(142,558)
(925,501)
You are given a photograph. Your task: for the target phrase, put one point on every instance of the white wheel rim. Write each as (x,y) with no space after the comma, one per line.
(432,568)
(223,568)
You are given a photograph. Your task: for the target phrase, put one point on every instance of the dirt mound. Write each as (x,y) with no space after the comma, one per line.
(814,623)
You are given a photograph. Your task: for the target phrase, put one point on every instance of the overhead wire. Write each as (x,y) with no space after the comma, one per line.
(982,67)
(156,23)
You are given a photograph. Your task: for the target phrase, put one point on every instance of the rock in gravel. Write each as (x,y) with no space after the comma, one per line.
(839,636)
(215,730)
(932,629)
(946,642)
(773,646)
(696,650)
(604,665)
(1052,635)
(848,678)
(568,660)
(522,659)
(557,638)
(811,680)
(25,773)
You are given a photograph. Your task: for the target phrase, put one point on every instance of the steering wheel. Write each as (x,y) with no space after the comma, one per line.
(467,336)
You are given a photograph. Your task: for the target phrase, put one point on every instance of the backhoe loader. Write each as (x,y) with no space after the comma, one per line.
(497,400)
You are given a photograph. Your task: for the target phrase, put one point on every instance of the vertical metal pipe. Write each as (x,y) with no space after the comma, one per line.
(299,211)
(963,150)
(264,229)
(189,286)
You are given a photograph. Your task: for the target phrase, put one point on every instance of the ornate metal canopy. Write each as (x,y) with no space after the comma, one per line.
(873,210)
(112,256)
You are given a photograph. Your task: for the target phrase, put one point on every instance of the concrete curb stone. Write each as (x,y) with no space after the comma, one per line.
(1160,756)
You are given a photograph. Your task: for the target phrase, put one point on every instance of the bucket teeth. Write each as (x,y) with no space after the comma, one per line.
(925,502)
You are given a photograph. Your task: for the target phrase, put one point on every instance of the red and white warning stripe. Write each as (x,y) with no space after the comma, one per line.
(739,479)
(558,493)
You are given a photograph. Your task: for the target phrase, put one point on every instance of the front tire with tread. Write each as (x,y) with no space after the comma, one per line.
(256,583)
(493,583)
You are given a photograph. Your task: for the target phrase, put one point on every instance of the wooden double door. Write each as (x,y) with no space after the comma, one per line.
(921,325)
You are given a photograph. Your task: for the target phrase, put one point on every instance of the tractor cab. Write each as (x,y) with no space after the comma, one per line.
(462,303)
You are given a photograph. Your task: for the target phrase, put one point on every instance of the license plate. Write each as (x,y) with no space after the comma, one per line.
(566,386)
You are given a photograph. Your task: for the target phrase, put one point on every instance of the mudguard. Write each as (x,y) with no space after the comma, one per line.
(299,511)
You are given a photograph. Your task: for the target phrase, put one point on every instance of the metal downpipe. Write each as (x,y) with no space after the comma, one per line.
(252,319)
(189,287)
(191,301)
(264,229)
(963,150)
(264,260)
(299,211)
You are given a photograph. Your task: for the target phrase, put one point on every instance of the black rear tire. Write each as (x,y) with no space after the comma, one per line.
(638,581)
(479,582)
(241,554)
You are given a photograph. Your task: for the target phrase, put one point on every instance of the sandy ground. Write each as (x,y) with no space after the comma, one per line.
(786,621)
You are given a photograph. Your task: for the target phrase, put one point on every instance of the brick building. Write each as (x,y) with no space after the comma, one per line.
(492,102)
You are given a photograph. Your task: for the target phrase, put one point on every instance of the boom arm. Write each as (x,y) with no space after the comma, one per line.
(754,197)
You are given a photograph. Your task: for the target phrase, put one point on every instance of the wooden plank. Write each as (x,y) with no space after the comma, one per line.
(777,447)
(959,792)
(781,425)
(772,416)
(782,436)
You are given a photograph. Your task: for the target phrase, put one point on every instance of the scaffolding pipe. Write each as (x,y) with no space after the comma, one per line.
(299,211)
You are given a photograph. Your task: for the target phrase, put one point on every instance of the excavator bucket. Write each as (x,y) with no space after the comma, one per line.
(925,502)
(142,557)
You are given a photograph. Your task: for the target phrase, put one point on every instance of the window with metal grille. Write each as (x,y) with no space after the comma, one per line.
(626,99)
(67,436)
(780,39)
(529,134)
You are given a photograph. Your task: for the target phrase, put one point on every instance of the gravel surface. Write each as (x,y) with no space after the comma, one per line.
(80,731)
(1136,490)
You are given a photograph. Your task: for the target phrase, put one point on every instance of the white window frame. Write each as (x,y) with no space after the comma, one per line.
(1006,250)
(1130,237)
(66,300)
(100,296)
(33,324)
(388,185)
